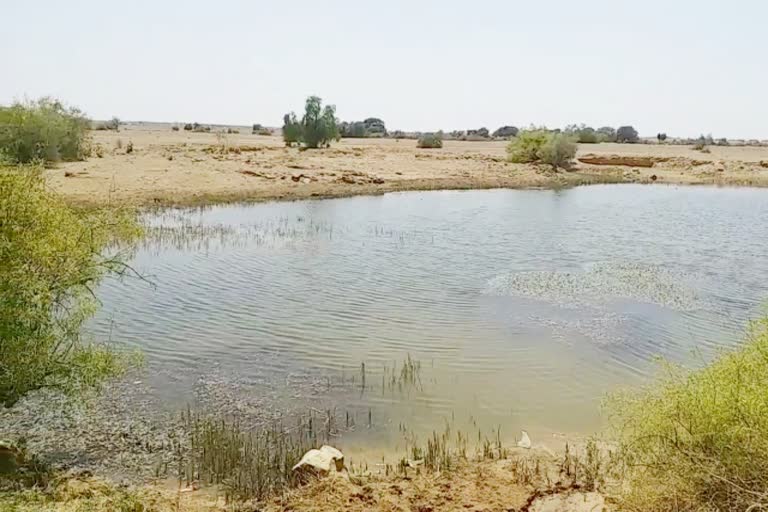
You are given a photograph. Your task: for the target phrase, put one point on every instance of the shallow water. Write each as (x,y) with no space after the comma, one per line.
(524,307)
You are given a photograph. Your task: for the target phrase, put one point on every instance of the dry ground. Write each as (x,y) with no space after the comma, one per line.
(486,486)
(185,168)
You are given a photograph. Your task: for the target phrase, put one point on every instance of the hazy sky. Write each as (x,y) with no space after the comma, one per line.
(681,66)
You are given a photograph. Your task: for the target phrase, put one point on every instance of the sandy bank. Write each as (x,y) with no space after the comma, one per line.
(181,168)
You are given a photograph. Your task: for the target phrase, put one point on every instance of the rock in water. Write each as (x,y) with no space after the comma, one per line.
(321,461)
(525,441)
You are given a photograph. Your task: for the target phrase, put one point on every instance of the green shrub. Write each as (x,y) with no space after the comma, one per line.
(232,131)
(51,258)
(43,130)
(174,128)
(113,125)
(291,129)
(430,141)
(583,134)
(371,127)
(525,147)
(558,150)
(188,127)
(699,440)
(606,134)
(530,146)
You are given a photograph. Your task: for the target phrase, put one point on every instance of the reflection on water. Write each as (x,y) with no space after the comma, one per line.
(523,307)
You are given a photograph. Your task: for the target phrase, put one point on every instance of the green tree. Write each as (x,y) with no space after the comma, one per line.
(506,131)
(318,126)
(606,134)
(51,258)
(627,134)
(291,129)
(44,130)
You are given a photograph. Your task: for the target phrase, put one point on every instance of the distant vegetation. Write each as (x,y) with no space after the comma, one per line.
(113,124)
(699,440)
(627,134)
(542,146)
(52,256)
(196,127)
(44,130)
(260,130)
(371,127)
(505,132)
(316,129)
(430,141)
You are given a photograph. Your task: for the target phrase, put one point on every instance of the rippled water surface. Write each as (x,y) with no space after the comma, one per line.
(523,307)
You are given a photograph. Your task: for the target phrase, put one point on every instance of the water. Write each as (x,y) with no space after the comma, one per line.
(524,307)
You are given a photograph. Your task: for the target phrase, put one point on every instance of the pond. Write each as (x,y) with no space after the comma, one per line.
(523,308)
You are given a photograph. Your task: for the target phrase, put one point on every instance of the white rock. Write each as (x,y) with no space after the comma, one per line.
(323,460)
(525,441)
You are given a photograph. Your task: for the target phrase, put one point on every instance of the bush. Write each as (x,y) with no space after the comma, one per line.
(558,150)
(525,147)
(371,127)
(291,129)
(188,127)
(606,134)
(627,134)
(113,124)
(51,258)
(174,128)
(258,129)
(661,137)
(232,131)
(506,132)
(699,440)
(43,130)
(583,134)
(317,128)
(430,141)
(555,149)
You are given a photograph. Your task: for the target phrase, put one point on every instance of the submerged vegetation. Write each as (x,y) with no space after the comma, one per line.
(45,130)
(51,258)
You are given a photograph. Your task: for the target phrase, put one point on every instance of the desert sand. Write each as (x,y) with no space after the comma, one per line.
(182,168)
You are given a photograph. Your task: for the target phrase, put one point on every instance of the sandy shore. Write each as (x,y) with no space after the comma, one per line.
(182,168)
